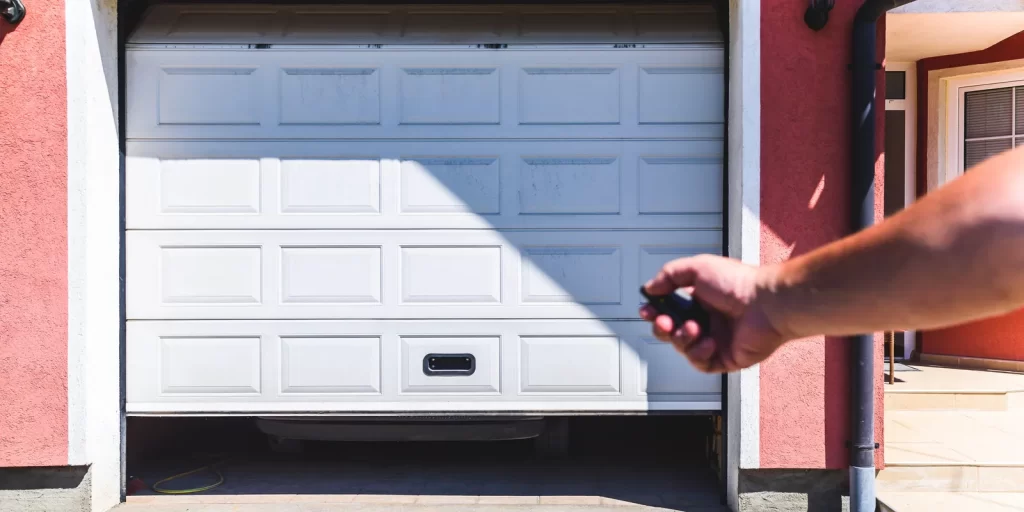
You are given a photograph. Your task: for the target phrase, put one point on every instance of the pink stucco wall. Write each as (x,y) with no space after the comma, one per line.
(805,165)
(33,239)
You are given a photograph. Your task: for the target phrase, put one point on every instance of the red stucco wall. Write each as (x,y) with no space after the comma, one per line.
(997,338)
(33,239)
(805,165)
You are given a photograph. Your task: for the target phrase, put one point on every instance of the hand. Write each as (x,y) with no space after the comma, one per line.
(741,333)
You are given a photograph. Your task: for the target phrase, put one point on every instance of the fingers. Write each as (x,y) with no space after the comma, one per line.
(675,274)
(702,355)
(664,329)
(647,312)
(701,350)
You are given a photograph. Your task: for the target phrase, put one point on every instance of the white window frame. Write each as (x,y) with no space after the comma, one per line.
(909,106)
(951,163)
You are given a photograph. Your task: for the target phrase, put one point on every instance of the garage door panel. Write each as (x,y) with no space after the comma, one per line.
(569,95)
(397,274)
(331,275)
(327,95)
(598,93)
(705,88)
(286,366)
(564,274)
(211,274)
(462,184)
(406,184)
(332,364)
(449,95)
(322,186)
(210,365)
(232,95)
(208,186)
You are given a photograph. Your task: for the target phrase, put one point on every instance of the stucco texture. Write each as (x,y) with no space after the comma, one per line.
(805,165)
(995,338)
(33,239)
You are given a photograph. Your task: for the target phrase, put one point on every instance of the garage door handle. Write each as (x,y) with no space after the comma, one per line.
(13,11)
(437,365)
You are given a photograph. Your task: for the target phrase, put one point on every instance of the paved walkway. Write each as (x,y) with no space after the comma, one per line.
(936,379)
(953,501)
(955,437)
(954,441)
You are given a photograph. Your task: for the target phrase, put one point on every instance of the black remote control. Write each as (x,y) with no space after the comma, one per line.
(680,307)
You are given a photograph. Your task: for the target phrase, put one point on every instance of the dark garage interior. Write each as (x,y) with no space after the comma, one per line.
(667,462)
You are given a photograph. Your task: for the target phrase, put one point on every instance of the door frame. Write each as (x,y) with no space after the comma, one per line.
(95,31)
(909,106)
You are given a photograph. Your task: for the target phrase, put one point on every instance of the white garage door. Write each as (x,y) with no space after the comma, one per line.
(357,210)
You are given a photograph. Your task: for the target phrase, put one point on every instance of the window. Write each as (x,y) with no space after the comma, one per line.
(895,85)
(993,122)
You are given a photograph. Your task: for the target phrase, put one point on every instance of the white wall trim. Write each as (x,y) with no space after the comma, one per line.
(909,106)
(743,400)
(94,371)
(951,165)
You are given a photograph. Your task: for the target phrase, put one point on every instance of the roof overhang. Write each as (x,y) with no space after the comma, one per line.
(929,28)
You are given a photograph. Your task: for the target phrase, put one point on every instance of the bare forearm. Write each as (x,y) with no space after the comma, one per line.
(957,255)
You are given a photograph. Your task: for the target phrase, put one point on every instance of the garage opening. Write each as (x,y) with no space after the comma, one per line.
(351,225)
(666,462)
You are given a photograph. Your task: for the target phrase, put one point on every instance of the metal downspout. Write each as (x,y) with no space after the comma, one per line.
(862,215)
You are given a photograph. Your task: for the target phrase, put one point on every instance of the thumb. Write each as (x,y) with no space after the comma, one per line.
(675,274)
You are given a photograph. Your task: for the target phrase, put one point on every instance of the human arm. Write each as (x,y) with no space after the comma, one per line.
(954,256)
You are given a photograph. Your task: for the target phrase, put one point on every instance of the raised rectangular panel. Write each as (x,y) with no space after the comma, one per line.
(451,185)
(230,96)
(486,377)
(674,185)
(349,275)
(210,185)
(253,24)
(327,96)
(556,23)
(569,364)
(330,185)
(450,25)
(209,365)
(586,275)
(569,185)
(451,274)
(452,95)
(569,95)
(669,95)
(331,24)
(210,275)
(664,372)
(330,364)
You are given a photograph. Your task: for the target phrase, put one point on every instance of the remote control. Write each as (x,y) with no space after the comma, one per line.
(680,307)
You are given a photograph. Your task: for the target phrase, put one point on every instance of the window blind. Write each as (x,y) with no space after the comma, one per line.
(993,121)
